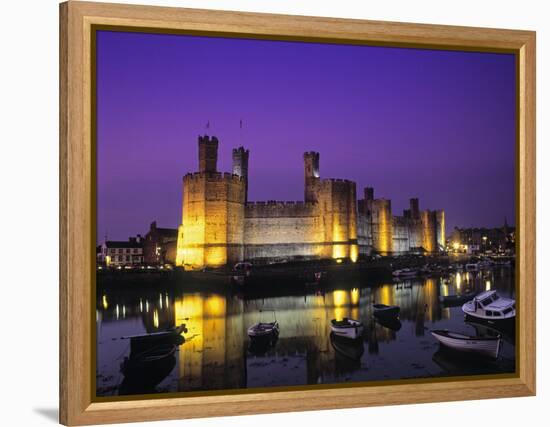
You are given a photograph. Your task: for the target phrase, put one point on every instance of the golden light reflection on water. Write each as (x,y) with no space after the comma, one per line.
(385,295)
(340,298)
(156,319)
(355,296)
(215,352)
(205,319)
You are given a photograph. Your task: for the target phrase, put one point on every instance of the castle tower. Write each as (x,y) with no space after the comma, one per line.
(440,228)
(369,193)
(382,226)
(414,208)
(208,154)
(311,170)
(240,166)
(429,231)
(369,198)
(212,227)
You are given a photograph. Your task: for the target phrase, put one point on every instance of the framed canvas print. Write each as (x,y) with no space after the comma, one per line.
(266,213)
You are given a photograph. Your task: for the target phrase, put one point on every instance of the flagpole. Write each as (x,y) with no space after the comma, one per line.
(241,132)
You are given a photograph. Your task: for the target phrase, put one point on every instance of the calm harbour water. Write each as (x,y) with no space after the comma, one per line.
(216,354)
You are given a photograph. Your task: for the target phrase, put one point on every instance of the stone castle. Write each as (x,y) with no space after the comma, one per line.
(220,226)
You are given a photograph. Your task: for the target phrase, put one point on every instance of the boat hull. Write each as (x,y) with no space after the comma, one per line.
(485,347)
(386,312)
(351,332)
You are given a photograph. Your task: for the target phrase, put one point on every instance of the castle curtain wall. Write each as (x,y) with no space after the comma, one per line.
(282,229)
(401,241)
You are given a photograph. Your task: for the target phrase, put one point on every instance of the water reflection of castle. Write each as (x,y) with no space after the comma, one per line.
(220,226)
(215,354)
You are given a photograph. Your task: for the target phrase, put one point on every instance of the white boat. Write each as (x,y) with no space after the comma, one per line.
(347,328)
(487,346)
(405,272)
(471,267)
(490,306)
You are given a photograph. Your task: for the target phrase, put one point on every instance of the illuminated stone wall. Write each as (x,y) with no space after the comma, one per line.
(212,227)
(324,228)
(415,233)
(440,227)
(282,229)
(364,230)
(429,232)
(400,236)
(382,226)
(338,205)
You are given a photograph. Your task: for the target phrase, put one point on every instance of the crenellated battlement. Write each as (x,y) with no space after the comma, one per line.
(280,203)
(338,180)
(311,154)
(213,176)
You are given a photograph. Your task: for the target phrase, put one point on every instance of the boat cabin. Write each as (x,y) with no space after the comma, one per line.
(489,305)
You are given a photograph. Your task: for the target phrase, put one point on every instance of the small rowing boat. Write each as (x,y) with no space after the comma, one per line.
(160,335)
(261,330)
(264,330)
(386,311)
(487,346)
(346,328)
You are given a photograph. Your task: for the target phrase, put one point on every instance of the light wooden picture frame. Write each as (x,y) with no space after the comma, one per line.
(78,405)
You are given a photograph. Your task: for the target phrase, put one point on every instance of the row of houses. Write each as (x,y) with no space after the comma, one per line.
(157,247)
(497,240)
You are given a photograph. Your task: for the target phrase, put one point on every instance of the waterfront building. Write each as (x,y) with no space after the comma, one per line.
(483,240)
(122,253)
(159,245)
(220,226)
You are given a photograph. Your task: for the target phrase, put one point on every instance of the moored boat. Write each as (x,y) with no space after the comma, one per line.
(391,323)
(261,330)
(487,346)
(352,349)
(346,328)
(145,369)
(168,336)
(382,310)
(264,329)
(491,307)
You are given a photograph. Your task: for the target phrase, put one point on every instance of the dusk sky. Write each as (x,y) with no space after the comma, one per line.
(437,125)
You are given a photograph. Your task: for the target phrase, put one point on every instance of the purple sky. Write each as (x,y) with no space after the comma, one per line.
(436,125)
